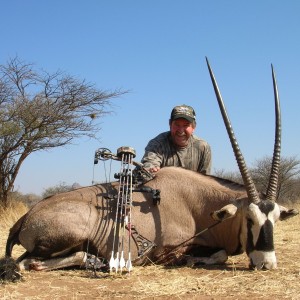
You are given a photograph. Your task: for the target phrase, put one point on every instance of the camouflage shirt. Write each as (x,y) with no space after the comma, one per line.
(161,152)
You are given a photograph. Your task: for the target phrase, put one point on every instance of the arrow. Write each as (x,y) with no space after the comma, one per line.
(128,263)
(111,262)
(122,261)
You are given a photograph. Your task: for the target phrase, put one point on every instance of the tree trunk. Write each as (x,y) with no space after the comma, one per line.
(4,199)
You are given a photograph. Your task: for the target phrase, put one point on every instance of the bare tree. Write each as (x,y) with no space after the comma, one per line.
(289,172)
(39,111)
(234,176)
(289,177)
(59,188)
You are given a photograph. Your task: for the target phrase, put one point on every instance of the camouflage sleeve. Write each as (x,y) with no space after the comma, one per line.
(205,164)
(153,156)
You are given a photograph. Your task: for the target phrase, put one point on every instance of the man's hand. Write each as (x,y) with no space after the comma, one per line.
(153,169)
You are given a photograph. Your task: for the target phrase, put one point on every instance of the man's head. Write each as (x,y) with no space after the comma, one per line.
(183,111)
(182,124)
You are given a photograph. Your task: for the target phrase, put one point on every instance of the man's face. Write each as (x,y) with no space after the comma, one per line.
(181,130)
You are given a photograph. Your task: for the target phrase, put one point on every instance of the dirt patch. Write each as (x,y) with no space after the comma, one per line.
(231,281)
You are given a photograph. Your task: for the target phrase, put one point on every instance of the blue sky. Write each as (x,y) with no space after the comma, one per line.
(157,49)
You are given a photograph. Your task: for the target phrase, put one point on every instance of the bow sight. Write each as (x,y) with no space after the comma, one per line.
(139,175)
(105,154)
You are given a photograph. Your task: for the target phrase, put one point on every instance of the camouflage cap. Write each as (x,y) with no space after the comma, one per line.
(183,111)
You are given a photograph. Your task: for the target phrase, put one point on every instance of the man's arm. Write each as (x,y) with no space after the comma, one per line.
(152,159)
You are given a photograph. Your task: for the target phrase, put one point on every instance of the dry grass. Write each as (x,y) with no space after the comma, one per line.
(11,214)
(232,281)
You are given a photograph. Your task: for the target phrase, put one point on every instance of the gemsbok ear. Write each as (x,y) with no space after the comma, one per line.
(287,213)
(226,212)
